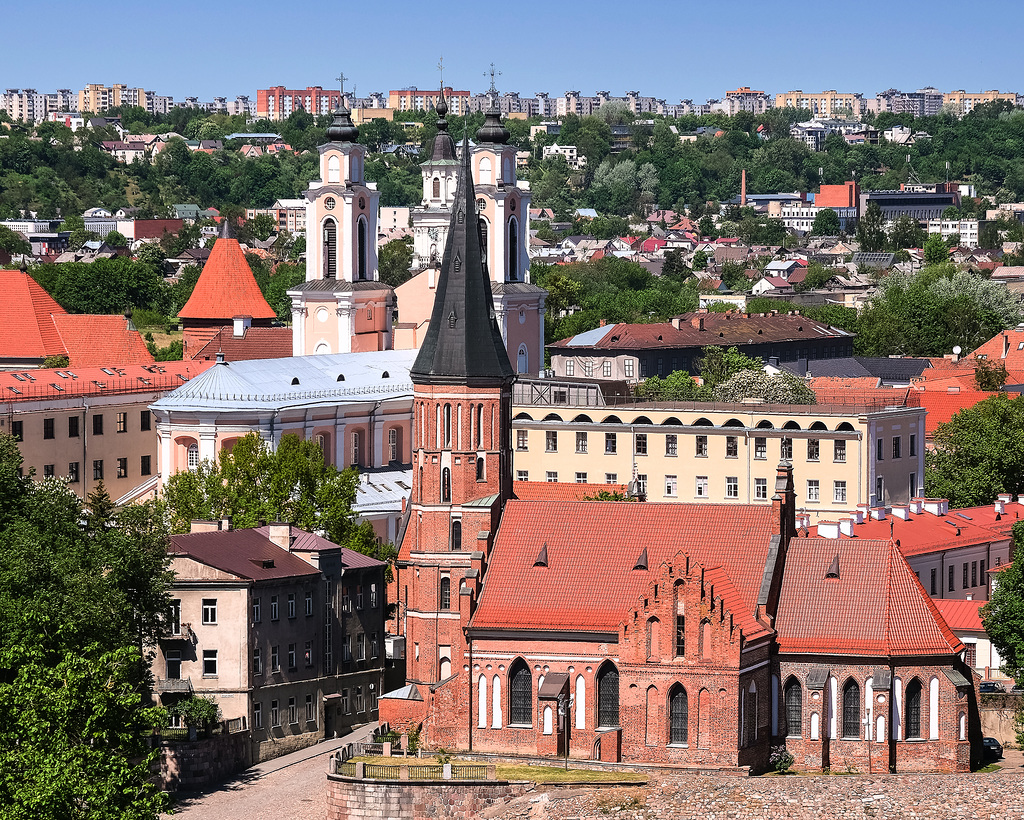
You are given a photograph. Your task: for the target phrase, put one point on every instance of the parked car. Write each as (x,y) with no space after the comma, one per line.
(991,686)
(993,748)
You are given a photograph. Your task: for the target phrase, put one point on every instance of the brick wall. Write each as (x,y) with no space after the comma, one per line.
(349,799)
(191,765)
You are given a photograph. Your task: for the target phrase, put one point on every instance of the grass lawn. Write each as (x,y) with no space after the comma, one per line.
(523,771)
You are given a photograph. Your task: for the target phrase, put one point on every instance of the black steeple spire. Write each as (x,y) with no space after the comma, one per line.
(444,145)
(463,344)
(342,129)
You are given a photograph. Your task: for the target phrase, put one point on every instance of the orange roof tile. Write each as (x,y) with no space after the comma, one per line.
(943,405)
(226,287)
(875,607)
(101,341)
(589,583)
(39,383)
(257,343)
(561,490)
(26,329)
(828,383)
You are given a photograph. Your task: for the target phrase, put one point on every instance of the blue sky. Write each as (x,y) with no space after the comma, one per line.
(664,49)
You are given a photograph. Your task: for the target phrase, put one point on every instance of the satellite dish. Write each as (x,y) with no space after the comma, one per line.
(957,349)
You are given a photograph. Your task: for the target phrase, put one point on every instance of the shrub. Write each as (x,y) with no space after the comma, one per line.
(781,759)
(200,712)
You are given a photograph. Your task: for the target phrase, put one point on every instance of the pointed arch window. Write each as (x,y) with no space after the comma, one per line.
(913,709)
(520,694)
(851,709)
(794,698)
(334,169)
(446,593)
(446,485)
(457,535)
(679,716)
(608,696)
(437,188)
(361,249)
(447,425)
(330,249)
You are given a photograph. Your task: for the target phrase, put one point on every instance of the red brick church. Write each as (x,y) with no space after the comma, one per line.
(690,635)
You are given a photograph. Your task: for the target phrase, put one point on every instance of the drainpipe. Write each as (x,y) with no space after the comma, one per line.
(84,473)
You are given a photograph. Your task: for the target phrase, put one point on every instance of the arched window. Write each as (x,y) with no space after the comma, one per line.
(457,535)
(608,695)
(334,169)
(523,360)
(479,425)
(751,714)
(445,601)
(446,485)
(394,452)
(581,702)
(547,720)
(193,457)
(356,449)
(482,227)
(485,171)
(679,715)
(913,709)
(851,709)
(705,638)
(330,249)
(794,697)
(520,694)
(437,188)
(513,250)
(446,668)
(481,702)
(361,249)
(933,709)
(447,425)
(653,639)
(496,703)
(481,463)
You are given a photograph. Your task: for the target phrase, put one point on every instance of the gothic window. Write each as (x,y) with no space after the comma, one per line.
(680,636)
(851,709)
(520,694)
(334,169)
(446,593)
(679,715)
(480,465)
(485,171)
(446,485)
(361,248)
(437,188)
(330,249)
(456,535)
(608,695)
(447,425)
(513,250)
(479,425)
(794,699)
(913,709)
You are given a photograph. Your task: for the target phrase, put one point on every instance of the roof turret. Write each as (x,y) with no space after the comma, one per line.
(463,344)
(444,145)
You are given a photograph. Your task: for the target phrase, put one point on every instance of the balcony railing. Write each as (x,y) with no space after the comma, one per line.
(173,685)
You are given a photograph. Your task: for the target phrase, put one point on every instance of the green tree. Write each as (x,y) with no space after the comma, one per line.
(988,375)
(779,388)
(871,229)
(394,260)
(76,608)
(719,364)
(818,276)
(676,386)
(826,223)
(253,483)
(13,242)
(116,240)
(1003,615)
(906,232)
(935,250)
(700,260)
(978,454)
(261,226)
(56,361)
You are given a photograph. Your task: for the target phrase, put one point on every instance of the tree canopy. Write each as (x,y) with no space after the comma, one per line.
(1003,615)
(77,606)
(978,454)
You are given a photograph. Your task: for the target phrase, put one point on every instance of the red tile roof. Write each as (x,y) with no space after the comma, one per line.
(226,288)
(961,615)
(302,541)
(26,329)
(561,490)
(875,607)
(942,405)
(36,384)
(257,343)
(101,341)
(245,553)
(589,583)
(829,383)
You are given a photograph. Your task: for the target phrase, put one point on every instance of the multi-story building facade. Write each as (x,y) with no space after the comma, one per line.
(964,102)
(284,629)
(91,424)
(827,104)
(416,99)
(925,102)
(718,453)
(278,102)
(289,214)
(24,104)
(746,99)
(965,231)
(96,97)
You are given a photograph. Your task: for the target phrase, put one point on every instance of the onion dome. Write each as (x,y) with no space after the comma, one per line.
(342,129)
(492,131)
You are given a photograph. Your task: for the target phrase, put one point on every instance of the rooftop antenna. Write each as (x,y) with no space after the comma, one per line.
(911,176)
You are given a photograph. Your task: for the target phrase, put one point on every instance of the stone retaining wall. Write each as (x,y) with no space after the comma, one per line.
(190,765)
(352,799)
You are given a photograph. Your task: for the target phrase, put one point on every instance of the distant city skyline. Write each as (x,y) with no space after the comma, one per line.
(661,50)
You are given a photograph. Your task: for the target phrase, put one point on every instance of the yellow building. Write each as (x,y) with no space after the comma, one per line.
(96,97)
(842,456)
(965,101)
(826,104)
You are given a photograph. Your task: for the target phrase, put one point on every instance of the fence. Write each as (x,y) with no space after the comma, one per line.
(405,771)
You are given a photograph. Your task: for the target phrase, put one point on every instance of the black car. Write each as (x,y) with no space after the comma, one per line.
(991,686)
(993,748)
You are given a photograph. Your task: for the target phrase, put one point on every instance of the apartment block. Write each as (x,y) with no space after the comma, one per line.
(416,99)
(964,102)
(278,102)
(826,104)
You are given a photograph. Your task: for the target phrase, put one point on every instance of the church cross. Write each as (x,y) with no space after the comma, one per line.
(341,79)
(440,69)
(491,73)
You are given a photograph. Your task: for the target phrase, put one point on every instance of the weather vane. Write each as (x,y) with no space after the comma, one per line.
(494,90)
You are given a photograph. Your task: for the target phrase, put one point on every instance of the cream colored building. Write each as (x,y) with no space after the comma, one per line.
(965,101)
(827,104)
(694,452)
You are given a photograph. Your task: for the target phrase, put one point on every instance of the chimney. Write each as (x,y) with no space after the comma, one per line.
(602,323)
(743,188)
(917,505)
(675,320)
(828,529)
(878,513)
(1020,499)
(225,524)
(199,525)
(242,324)
(863,513)
(773,361)
(1000,506)
(901,511)
(846,527)
(784,501)
(280,534)
(934,506)
(1006,498)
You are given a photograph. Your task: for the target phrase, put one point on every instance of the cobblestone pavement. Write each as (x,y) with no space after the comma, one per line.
(292,787)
